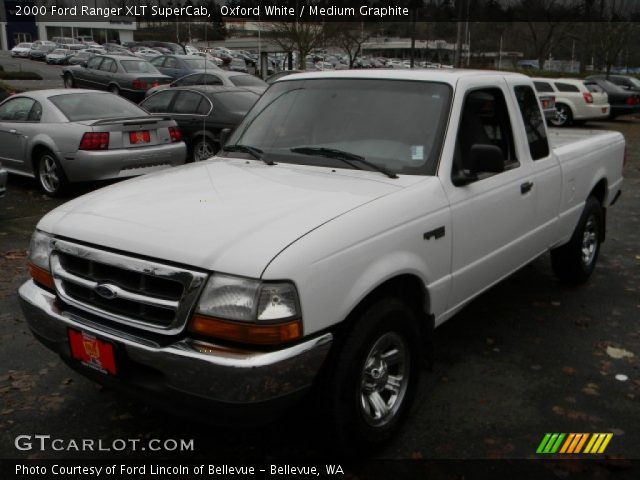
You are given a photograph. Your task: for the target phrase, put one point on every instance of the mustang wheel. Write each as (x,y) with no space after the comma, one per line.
(50,175)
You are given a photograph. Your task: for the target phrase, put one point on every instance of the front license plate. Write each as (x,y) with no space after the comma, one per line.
(92,352)
(139,137)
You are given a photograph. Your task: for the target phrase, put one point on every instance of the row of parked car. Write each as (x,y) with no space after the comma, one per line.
(596,97)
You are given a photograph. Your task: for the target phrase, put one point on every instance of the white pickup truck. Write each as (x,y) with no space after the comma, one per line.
(349,215)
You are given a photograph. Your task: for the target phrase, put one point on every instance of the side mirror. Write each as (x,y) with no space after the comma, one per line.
(485,159)
(224,136)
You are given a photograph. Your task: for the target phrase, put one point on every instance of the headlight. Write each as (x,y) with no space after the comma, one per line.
(40,249)
(39,253)
(248,311)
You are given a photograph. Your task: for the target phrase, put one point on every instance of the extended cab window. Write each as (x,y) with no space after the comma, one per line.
(533,122)
(484,121)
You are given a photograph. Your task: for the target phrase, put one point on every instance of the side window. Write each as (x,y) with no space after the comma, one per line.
(171,63)
(36,112)
(159,102)
(187,103)
(94,62)
(16,110)
(533,122)
(107,65)
(158,61)
(543,87)
(204,108)
(190,80)
(484,121)
(212,80)
(566,87)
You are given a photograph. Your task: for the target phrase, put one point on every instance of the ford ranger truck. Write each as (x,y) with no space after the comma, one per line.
(346,217)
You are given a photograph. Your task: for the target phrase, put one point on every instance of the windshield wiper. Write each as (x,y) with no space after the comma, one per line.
(253,151)
(346,157)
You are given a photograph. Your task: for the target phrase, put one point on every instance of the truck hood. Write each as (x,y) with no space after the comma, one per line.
(226,215)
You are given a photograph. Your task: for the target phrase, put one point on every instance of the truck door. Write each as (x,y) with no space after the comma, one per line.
(547,176)
(491,212)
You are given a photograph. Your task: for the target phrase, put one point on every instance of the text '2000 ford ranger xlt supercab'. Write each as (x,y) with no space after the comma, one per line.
(347,216)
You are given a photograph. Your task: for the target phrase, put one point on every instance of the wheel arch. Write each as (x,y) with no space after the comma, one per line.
(40,146)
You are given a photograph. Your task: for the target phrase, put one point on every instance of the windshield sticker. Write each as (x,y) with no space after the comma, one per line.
(417,152)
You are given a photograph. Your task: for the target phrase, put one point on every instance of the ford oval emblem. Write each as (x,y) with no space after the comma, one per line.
(106,291)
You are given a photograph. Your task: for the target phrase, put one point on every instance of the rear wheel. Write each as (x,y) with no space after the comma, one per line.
(50,175)
(563,116)
(204,149)
(69,81)
(575,261)
(374,376)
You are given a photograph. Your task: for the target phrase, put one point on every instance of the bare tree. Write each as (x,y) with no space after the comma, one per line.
(611,34)
(349,37)
(301,37)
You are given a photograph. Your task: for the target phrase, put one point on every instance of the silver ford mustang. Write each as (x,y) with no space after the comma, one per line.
(61,136)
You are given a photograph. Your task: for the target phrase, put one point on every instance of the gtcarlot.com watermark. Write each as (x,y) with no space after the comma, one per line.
(44,443)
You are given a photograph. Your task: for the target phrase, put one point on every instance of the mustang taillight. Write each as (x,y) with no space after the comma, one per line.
(175,133)
(94,141)
(588,97)
(139,84)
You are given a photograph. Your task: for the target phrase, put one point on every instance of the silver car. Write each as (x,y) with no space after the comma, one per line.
(60,136)
(3,181)
(217,77)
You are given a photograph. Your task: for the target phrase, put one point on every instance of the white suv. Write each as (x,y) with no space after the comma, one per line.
(574,102)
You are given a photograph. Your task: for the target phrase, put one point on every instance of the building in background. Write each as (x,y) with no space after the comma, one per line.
(15,29)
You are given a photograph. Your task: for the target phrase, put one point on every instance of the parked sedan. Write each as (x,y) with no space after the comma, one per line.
(59,56)
(177,66)
(80,57)
(3,181)
(21,50)
(219,77)
(130,77)
(548,103)
(60,136)
(39,52)
(574,101)
(623,102)
(201,113)
(625,81)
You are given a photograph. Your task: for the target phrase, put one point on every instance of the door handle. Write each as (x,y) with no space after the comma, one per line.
(526,187)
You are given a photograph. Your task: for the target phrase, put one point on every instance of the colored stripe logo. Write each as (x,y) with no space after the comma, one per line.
(573,443)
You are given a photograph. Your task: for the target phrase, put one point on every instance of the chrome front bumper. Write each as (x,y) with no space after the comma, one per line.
(187,367)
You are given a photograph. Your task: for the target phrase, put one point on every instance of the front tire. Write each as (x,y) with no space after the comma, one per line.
(574,262)
(114,89)
(374,376)
(563,117)
(50,175)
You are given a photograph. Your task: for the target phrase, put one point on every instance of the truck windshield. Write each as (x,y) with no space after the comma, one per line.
(396,124)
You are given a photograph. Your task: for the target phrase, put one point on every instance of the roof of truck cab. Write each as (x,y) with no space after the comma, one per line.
(445,75)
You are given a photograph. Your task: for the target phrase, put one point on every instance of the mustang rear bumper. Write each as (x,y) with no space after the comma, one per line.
(185,369)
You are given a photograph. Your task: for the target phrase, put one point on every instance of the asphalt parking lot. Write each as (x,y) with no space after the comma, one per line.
(526,358)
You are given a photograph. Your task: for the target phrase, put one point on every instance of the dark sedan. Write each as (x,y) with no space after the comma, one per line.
(130,77)
(41,51)
(625,81)
(177,66)
(623,102)
(201,113)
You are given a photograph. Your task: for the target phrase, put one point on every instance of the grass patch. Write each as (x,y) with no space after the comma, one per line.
(19,75)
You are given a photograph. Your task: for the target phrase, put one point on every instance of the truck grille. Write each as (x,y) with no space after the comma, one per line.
(128,290)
